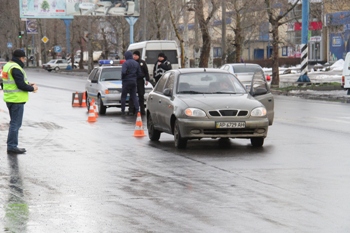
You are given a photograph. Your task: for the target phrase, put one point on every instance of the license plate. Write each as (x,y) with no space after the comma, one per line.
(221,125)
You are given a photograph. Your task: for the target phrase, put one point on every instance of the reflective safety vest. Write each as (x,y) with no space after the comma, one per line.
(11,92)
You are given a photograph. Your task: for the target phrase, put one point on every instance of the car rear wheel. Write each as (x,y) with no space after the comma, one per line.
(57,68)
(101,107)
(180,142)
(153,134)
(257,142)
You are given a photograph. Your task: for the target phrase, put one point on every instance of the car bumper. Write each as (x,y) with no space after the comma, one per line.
(115,100)
(206,129)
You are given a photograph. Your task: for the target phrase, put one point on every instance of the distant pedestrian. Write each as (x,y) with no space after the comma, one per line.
(16,88)
(161,66)
(130,71)
(141,81)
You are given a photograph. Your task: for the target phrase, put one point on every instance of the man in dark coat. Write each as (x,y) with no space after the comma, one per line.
(130,71)
(161,66)
(144,77)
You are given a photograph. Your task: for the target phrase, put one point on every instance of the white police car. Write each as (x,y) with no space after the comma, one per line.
(104,85)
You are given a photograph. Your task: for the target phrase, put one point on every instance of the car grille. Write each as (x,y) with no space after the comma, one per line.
(227,131)
(218,113)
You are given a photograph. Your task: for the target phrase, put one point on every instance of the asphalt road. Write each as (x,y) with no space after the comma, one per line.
(97,177)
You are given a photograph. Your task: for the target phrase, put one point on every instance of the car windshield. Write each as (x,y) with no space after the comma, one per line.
(111,74)
(209,83)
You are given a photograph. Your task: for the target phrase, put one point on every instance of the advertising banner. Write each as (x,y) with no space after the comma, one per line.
(339,45)
(103,7)
(43,9)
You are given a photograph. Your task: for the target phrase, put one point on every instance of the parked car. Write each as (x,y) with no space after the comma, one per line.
(56,64)
(2,63)
(104,85)
(245,71)
(196,103)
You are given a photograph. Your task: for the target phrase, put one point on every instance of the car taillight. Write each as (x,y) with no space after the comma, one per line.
(342,81)
(268,78)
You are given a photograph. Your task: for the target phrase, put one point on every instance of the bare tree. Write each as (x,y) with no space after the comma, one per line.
(277,13)
(246,17)
(204,24)
(174,23)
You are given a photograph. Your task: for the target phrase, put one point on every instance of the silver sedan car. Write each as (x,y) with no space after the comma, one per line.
(104,85)
(197,103)
(245,71)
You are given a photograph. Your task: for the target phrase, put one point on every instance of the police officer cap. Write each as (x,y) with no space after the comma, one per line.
(19,53)
(137,53)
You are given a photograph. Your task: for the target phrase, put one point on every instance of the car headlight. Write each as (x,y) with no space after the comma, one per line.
(194,112)
(258,112)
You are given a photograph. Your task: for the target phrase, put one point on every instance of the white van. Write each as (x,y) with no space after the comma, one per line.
(150,49)
(345,80)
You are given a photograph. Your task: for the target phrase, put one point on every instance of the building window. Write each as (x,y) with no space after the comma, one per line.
(217,52)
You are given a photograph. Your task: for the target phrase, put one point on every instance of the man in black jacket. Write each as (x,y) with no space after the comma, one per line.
(144,77)
(161,66)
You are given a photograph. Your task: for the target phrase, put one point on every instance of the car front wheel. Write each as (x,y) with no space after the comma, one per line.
(153,134)
(101,107)
(180,142)
(257,142)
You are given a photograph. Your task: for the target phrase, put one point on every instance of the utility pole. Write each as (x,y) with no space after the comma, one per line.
(304,41)
(144,34)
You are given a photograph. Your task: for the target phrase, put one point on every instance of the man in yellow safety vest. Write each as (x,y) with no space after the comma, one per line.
(16,88)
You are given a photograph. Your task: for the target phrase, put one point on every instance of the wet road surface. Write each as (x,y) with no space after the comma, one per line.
(96,177)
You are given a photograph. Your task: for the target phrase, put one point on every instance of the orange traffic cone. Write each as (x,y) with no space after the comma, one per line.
(83,102)
(95,109)
(76,100)
(92,115)
(139,132)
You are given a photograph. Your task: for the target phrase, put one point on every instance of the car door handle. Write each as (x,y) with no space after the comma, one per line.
(270,100)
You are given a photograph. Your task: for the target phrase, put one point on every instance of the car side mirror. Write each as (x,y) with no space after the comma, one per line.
(168,91)
(259,91)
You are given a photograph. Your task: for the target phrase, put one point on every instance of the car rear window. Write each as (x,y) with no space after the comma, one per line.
(245,69)
(111,74)
(152,56)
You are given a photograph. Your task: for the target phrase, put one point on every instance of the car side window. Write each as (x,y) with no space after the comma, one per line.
(92,74)
(170,82)
(160,85)
(95,78)
(259,83)
(59,61)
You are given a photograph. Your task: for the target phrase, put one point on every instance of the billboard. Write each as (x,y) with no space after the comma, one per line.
(103,7)
(43,9)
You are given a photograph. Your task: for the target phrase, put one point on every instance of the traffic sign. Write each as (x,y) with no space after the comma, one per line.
(45,39)
(58,49)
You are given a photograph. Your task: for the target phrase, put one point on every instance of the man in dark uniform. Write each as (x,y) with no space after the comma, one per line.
(140,84)
(130,71)
(161,66)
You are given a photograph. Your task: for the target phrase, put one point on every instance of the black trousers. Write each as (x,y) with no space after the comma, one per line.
(141,95)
